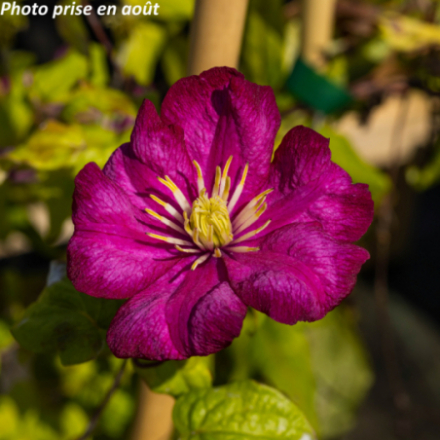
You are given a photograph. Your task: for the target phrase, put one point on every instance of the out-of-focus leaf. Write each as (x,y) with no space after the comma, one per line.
(139,53)
(24,427)
(72,29)
(407,34)
(177,377)
(10,25)
(56,145)
(19,60)
(53,80)
(108,107)
(423,178)
(73,420)
(322,366)
(169,9)
(262,53)
(118,414)
(361,172)
(16,116)
(174,60)
(239,410)
(99,74)
(66,321)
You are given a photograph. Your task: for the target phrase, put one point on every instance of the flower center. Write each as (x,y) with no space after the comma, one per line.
(211,218)
(208,221)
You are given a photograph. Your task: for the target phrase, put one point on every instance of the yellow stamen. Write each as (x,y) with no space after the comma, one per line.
(252,233)
(165,221)
(217,253)
(224,177)
(252,219)
(200,260)
(178,195)
(216,186)
(238,190)
(243,249)
(171,240)
(188,251)
(170,209)
(200,181)
(250,208)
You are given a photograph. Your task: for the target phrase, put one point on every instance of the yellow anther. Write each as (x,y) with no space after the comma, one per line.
(211,218)
(217,253)
(243,177)
(170,240)
(200,260)
(243,249)
(238,190)
(226,190)
(218,176)
(188,251)
(153,214)
(252,233)
(200,181)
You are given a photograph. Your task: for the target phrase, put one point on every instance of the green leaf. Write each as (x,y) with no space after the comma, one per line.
(72,29)
(55,145)
(53,80)
(16,116)
(322,366)
(407,34)
(262,54)
(66,321)
(174,60)
(239,410)
(176,377)
(139,53)
(106,106)
(361,172)
(99,74)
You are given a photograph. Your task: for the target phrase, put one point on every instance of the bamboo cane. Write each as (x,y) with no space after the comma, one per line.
(216,34)
(153,421)
(317,30)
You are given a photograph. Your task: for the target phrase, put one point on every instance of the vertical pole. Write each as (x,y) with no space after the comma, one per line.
(317,30)
(216,34)
(153,420)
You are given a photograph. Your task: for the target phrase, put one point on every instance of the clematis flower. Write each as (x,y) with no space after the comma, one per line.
(193,223)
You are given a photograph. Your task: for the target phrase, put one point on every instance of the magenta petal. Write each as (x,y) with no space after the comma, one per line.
(109,255)
(300,274)
(194,313)
(204,314)
(156,150)
(222,114)
(139,329)
(309,187)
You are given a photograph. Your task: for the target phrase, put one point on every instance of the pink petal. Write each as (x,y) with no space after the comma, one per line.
(109,254)
(221,115)
(309,187)
(300,273)
(195,313)
(156,150)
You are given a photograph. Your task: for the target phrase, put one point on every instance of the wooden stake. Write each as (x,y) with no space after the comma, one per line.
(216,34)
(153,421)
(317,30)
